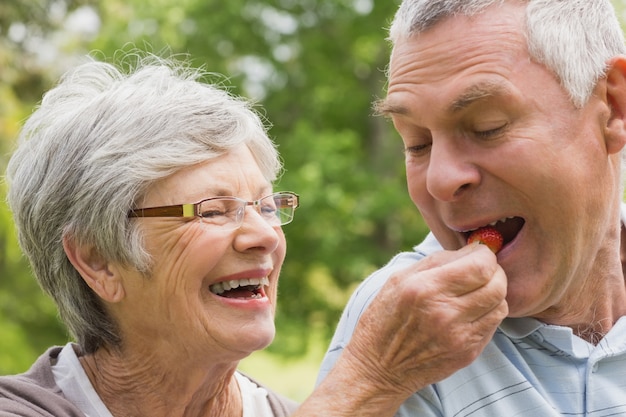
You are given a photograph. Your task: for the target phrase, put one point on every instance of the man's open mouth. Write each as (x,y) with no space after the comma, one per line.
(508,227)
(253,288)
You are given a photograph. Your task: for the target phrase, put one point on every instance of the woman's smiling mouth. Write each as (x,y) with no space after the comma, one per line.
(252,288)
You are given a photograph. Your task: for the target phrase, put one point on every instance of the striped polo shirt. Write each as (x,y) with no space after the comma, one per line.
(529,369)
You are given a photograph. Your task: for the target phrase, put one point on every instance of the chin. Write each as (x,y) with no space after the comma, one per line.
(259,338)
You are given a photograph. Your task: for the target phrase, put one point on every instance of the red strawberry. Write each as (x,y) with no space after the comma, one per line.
(488,236)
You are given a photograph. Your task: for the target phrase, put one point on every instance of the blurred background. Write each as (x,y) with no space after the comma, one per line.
(314,67)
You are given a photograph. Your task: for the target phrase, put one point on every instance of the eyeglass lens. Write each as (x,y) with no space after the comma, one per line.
(276,209)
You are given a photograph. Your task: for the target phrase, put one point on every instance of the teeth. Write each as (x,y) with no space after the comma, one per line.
(502,220)
(221,287)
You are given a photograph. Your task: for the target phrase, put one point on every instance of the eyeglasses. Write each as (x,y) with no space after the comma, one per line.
(227,212)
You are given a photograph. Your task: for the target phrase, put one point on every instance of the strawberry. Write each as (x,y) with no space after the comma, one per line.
(488,236)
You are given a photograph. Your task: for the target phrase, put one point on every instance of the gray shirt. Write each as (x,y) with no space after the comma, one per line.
(35,393)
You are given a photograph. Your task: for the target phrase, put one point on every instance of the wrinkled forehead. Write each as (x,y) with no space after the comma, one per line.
(462,32)
(461,50)
(235,173)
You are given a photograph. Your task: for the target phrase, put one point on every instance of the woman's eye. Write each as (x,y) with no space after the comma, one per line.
(209,214)
(268,210)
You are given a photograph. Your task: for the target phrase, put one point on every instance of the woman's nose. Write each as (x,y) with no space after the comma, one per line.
(256,233)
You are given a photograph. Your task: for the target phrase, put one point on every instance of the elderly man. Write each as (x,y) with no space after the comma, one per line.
(512,115)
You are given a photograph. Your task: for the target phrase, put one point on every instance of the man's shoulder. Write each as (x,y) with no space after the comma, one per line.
(400,261)
(365,293)
(372,284)
(367,290)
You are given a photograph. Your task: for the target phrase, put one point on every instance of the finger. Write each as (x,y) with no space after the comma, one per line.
(454,273)
(444,257)
(485,301)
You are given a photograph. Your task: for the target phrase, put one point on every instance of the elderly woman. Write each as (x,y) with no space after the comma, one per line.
(144,202)
(145,206)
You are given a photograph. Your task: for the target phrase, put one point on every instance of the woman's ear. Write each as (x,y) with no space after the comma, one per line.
(616,98)
(102,276)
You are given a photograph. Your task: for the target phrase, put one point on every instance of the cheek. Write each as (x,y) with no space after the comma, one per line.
(187,252)
(168,237)
(278,257)
(280,252)
(416,184)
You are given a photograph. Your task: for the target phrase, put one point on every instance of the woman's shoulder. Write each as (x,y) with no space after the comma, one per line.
(34,392)
(280,405)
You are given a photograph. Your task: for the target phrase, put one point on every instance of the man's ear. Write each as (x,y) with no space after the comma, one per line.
(616,98)
(102,276)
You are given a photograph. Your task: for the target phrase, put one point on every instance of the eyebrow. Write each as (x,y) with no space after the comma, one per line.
(476,93)
(472,94)
(384,108)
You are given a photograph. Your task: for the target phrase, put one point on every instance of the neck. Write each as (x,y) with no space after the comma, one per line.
(144,384)
(605,294)
(593,334)
(595,305)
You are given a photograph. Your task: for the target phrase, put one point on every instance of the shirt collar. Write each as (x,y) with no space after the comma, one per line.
(519,328)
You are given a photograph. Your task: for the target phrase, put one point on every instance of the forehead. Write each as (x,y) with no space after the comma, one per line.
(487,50)
(235,173)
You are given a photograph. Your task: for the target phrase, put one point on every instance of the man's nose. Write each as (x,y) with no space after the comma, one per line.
(451,171)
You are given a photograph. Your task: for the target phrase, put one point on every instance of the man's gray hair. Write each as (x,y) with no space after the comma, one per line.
(91,150)
(572,38)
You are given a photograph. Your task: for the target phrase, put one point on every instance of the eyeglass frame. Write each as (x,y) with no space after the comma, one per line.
(193,209)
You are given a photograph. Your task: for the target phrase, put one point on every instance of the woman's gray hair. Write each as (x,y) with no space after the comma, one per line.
(572,38)
(91,150)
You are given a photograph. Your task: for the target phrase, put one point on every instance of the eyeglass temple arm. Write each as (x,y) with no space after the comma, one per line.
(292,200)
(182,210)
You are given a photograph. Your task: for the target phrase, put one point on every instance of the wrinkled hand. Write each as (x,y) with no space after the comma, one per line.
(429,320)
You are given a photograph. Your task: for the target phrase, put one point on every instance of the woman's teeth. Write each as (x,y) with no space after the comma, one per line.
(224,286)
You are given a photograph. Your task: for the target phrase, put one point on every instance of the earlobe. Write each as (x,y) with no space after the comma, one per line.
(101,276)
(616,99)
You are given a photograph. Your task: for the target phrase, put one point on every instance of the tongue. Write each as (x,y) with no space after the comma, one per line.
(241,292)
